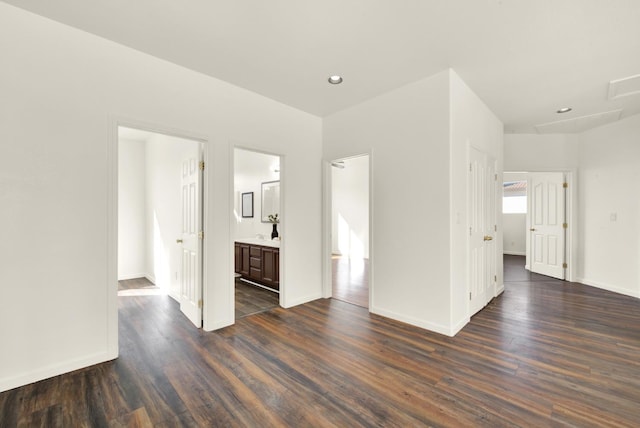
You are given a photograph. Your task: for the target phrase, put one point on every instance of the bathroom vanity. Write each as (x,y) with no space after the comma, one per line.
(258,261)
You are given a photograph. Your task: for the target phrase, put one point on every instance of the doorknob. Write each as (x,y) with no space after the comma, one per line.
(532,229)
(488,238)
(179,241)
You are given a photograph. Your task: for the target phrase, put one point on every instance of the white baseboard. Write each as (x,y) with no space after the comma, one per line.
(437,328)
(301,300)
(151,278)
(514,253)
(609,287)
(131,276)
(218,325)
(459,325)
(53,370)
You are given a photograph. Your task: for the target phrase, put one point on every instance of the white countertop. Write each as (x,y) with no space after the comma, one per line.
(256,241)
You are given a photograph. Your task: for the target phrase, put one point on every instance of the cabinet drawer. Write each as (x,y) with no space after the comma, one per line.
(255,262)
(255,252)
(255,273)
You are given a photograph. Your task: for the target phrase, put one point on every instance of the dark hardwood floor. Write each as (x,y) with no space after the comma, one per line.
(251,300)
(545,353)
(350,280)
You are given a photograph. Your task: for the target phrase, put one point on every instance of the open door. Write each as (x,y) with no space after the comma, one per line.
(191,279)
(547,223)
(482,227)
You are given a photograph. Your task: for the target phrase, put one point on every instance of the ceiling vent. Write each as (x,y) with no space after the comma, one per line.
(579,124)
(624,87)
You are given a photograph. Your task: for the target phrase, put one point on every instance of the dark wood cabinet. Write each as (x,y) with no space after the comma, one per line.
(242,259)
(258,263)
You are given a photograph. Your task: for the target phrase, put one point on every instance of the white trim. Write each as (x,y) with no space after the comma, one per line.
(609,287)
(436,328)
(302,300)
(131,276)
(114,122)
(232,227)
(151,278)
(514,253)
(327,247)
(54,370)
(571,214)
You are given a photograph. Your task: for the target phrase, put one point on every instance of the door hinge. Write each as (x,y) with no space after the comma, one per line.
(469,295)
(495,278)
(565,225)
(201,235)
(470,167)
(200,304)
(470,231)
(495,227)
(564,265)
(201,165)
(565,185)
(495,177)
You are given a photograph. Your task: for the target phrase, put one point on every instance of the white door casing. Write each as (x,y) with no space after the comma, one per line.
(546,224)
(191,272)
(482,224)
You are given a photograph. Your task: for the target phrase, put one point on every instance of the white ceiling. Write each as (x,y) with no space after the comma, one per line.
(525,59)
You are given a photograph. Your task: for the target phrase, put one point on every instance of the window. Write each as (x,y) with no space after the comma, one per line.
(514,197)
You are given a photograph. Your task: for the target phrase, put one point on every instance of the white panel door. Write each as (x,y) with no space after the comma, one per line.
(191,278)
(482,214)
(546,218)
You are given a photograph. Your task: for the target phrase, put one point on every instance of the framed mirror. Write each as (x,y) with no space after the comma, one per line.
(247,205)
(270,200)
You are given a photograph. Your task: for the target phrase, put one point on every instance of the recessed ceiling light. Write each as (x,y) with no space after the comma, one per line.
(564,110)
(335,79)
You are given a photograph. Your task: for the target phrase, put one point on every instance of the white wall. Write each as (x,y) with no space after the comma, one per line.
(163,209)
(514,225)
(418,137)
(514,228)
(63,93)
(533,152)
(609,254)
(350,208)
(131,209)
(606,253)
(472,125)
(554,153)
(407,133)
(251,169)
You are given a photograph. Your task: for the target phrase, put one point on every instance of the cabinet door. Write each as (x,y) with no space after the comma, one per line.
(267,266)
(244,254)
(270,268)
(238,258)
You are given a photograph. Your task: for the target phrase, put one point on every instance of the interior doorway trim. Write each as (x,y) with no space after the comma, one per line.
(113,123)
(284,302)
(327,274)
(571,214)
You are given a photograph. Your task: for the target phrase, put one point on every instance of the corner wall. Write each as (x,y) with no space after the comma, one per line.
(472,125)
(407,133)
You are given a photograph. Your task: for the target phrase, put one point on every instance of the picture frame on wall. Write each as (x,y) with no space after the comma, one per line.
(247,205)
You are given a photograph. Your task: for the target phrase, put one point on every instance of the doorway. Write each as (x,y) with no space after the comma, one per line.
(350,241)
(536,225)
(257,232)
(482,194)
(160,218)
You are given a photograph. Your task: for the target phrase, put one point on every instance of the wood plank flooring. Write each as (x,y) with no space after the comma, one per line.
(251,300)
(350,280)
(545,353)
